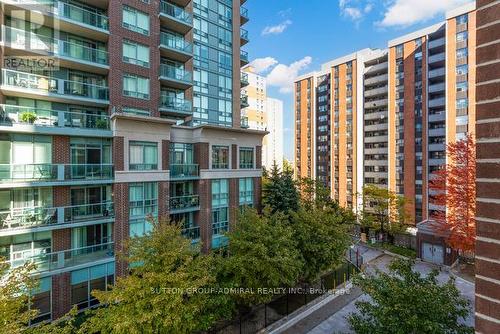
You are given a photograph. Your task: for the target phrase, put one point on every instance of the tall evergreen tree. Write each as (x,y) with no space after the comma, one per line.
(279,191)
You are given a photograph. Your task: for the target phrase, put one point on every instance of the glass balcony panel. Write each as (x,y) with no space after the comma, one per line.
(175,103)
(175,42)
(28,172)
(89,212)
(88,171)
(28,217)
(175,73)
(184,170)
(81,15)
(176,12)
(192,233)
(184,202)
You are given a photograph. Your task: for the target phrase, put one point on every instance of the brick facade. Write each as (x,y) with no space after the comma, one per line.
(61,294)
(234,201)
(258,157)
(205,214)
(163,199)
(165,154)
(121,226)
(234,156)
(61,151)
(257,193)
(118,153)
(201,154)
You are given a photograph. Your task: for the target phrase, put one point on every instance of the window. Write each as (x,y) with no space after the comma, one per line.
(246,157)
(139,227)
(461,70)
(136,111)
(462,86)
(135,20)
(136,54)
(246,191)
(220,202)
(462,19)
(461,103)
(85,280)
(143,199)
(135,86)
(143,155)
(220,157)
(41,300)
(461,53)
(462,36)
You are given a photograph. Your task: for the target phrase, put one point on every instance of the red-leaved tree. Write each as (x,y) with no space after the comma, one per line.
(454,187)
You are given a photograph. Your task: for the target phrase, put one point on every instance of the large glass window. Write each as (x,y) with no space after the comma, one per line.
(41,300)
(220,193)
(462,36)
(135,86)
(21,247)
(220,157)
(143,199)
(139,227)
(181,153)
(134,53)
(85,280)
(246,191)
(135,20)
(462,69)
(246,157)
(143,155)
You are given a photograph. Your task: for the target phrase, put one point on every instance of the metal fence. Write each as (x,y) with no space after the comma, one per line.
(264,315)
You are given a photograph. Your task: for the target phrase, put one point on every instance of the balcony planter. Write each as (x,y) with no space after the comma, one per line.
(28,117)
(101,124)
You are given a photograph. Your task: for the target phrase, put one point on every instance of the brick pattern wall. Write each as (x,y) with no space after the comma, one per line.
(121,226)
(204,216)
(61,152)
(257,193)
(61,294)
(165,154)
(234,201)
(258,157)
(163,198)
(201,154)
(234,156)
(488,167)
(61,239)
(118,153)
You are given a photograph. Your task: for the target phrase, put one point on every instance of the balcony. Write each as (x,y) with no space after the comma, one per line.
(243,37)
(218,238)
(26,119)
(176,77)
(185,203)
(438,87)
(376,79)
(175,48)
(35,217)
(70,18)
(184,171)
(175,106)
(24,84)
(439,72)
(244,58)
(68,258)
(244,101)
(192,233)
(437,132)
(436,43)
(382,68)
(244,15)
(437,58)
(376,91)
(438,102)
(54,173)
(21,42)
(175,18)
(244,79)
(244,122)
(375,104)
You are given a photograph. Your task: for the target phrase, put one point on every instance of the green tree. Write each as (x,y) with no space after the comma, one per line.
(383,209)
(279,190)
(322,237)
(403,301)
(141,302)
(262,252)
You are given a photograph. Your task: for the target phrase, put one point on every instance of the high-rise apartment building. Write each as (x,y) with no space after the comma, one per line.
(487,42)
(263,113)
(136,114)
(384,117)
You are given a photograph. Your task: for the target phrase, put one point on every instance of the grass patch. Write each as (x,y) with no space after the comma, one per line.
(396,249)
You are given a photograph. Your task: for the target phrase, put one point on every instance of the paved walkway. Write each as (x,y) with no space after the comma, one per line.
(331,317)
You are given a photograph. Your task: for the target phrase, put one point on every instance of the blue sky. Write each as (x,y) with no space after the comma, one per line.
(292,37)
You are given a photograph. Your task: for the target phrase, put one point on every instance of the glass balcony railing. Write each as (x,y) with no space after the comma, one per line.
(173,42)
(29,217)
(192,232)
(244,56)
(244,101)
(175,73)
(54,172)
(244,122)
(180,203)
(43,85)
(88,171)
(244,34)
(68,258)
(12,114)
(25,40)
(28,172)
(175,103)
(93,211)
(176,12)
(244,79)
(244,13)
(179,171)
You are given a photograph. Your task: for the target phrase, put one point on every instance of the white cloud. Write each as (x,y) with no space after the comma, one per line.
(368,8)
(353,13)
(282,75)
(407,12)
(263,64)
(277,29)
(355,9)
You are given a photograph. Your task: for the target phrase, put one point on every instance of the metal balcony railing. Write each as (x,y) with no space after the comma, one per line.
(180,203)
(192,232)
(180,171)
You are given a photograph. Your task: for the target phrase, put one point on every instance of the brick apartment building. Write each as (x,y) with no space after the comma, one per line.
(141,116)
(488,167)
